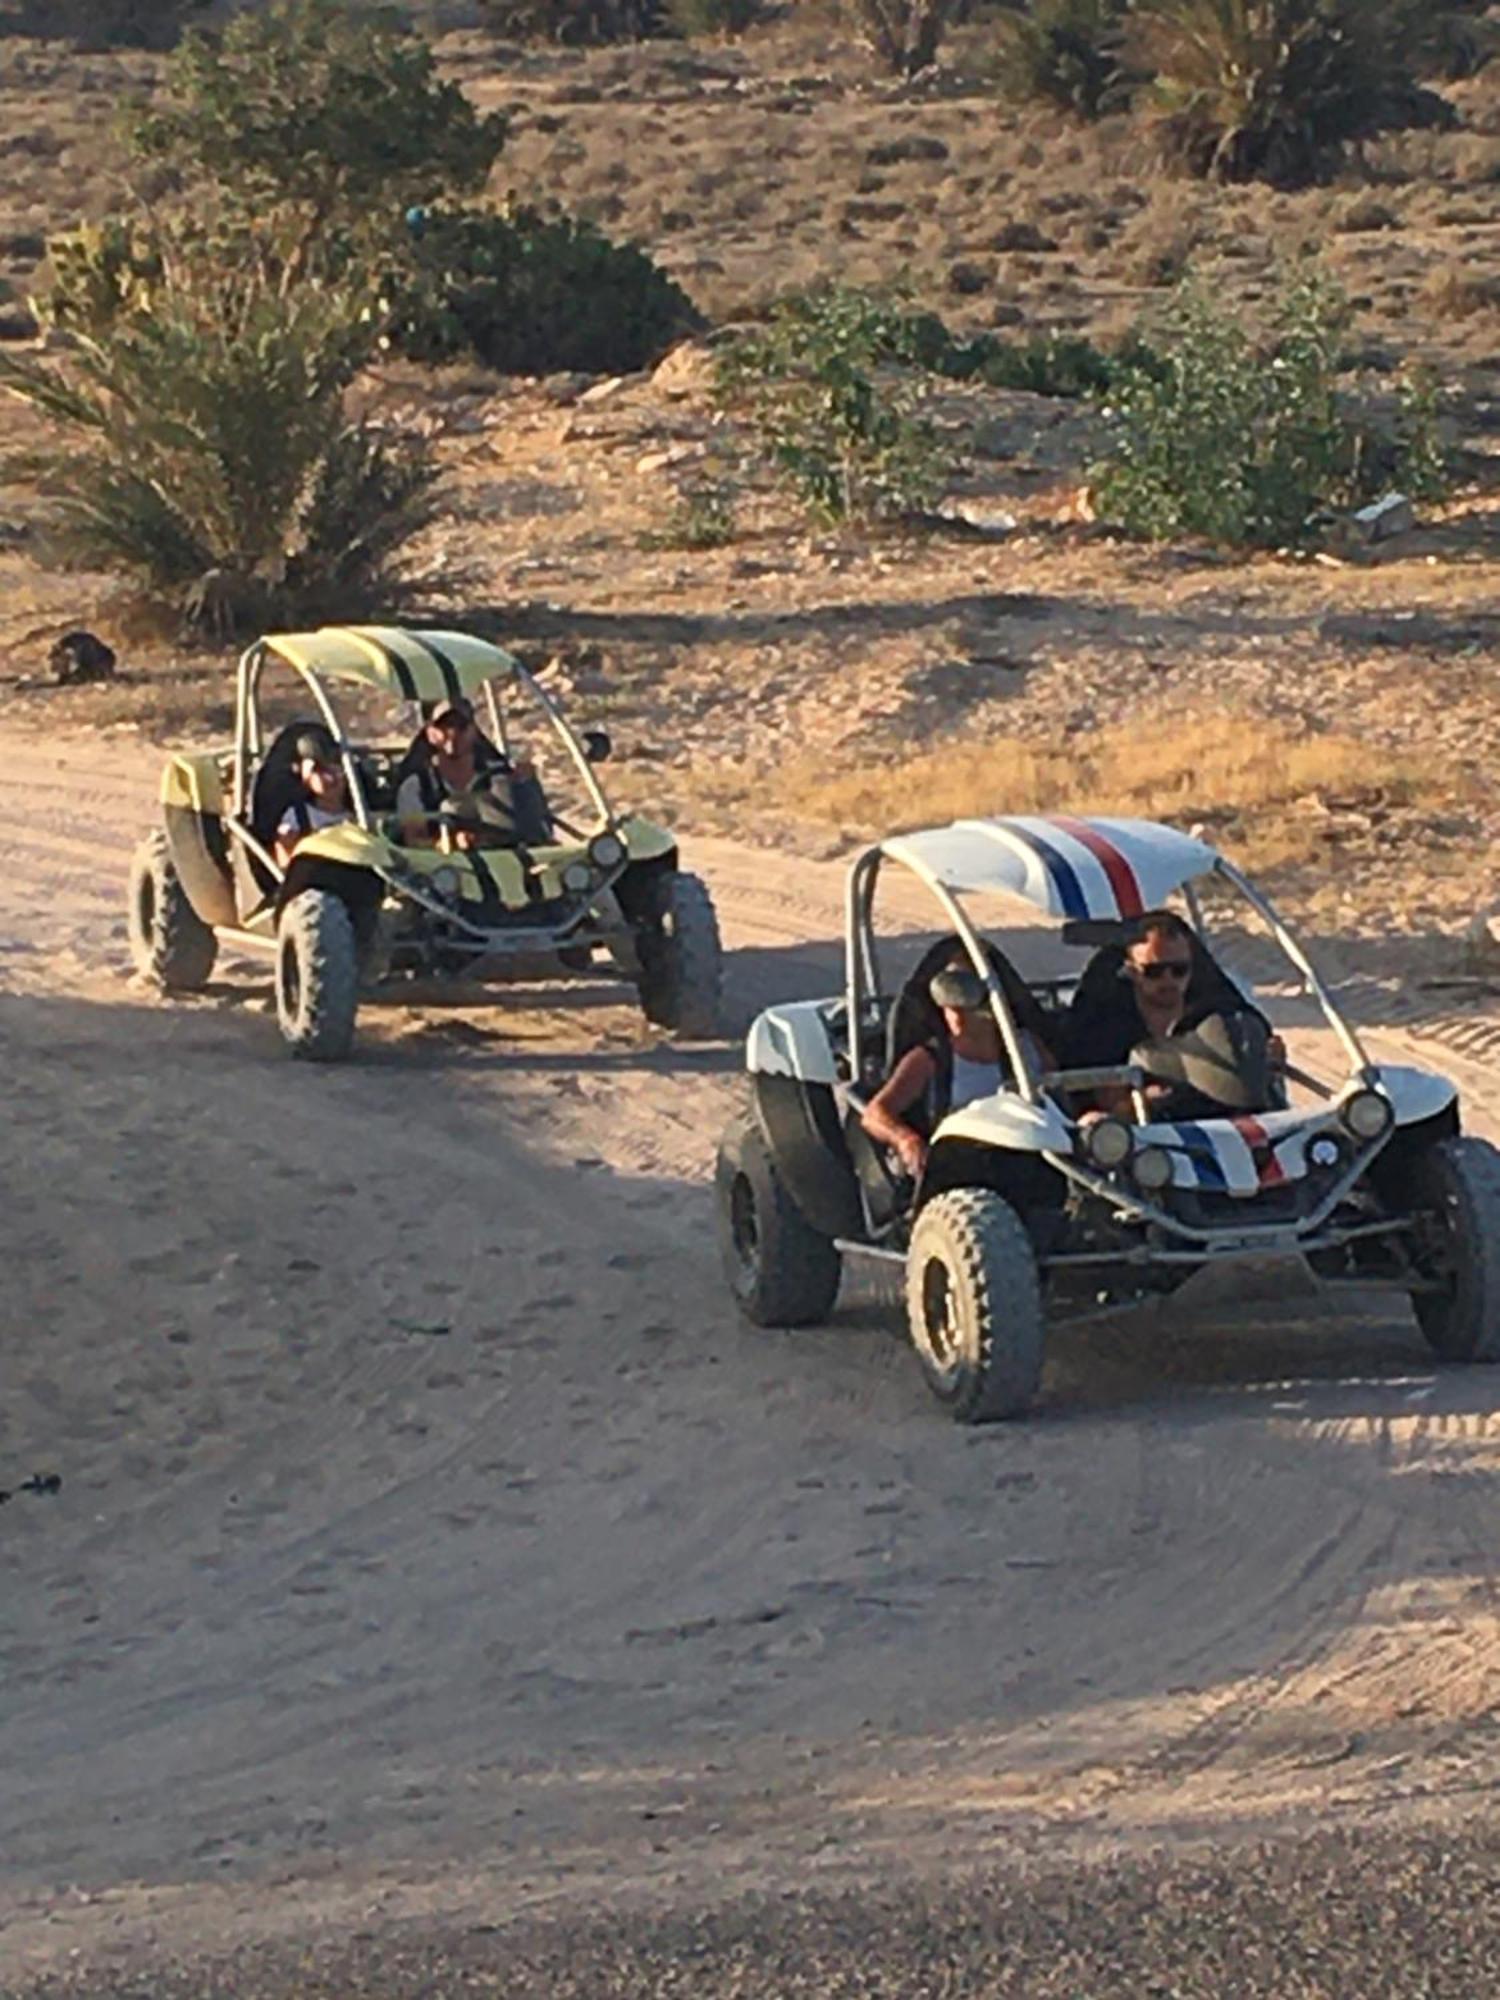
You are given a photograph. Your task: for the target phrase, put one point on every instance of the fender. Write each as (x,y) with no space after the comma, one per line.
(192,805)
(1415,1093)
(644,839)
(792,1040)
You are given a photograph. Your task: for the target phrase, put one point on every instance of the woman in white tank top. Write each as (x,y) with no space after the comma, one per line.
(977,1065)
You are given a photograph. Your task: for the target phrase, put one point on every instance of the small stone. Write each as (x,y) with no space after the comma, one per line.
(603,391)
(966,277)
(686,370)
(1021,236)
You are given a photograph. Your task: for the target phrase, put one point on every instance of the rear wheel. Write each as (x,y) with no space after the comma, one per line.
(1457,1185)
(682,961)
(169,941)
(780,1269)
(974,1304)
(317,976)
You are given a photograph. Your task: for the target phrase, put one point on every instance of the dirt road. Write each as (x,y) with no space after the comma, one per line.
(431,1535)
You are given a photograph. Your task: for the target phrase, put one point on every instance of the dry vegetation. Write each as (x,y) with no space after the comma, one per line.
(784,683)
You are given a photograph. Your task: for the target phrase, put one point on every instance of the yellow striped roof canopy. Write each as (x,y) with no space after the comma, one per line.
(424,666)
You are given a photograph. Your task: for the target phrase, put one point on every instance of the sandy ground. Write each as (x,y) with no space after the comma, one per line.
(433,1542)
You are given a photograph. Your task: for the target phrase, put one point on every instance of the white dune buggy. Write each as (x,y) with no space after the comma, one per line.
(1024,1210)
(360,905)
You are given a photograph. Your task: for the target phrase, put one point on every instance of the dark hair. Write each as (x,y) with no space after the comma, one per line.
(1152,923)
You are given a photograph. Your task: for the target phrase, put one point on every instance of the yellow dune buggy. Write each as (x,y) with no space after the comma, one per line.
(364,904)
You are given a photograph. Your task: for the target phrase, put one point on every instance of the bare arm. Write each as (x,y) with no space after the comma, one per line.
(882,1116)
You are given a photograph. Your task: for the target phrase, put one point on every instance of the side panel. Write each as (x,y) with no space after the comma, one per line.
(802,1124)
(793,1040)
(192,803)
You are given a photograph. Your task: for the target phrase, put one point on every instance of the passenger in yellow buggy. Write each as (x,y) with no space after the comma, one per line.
(958,1055)
(1162,1002)
(455,788)
(323,798)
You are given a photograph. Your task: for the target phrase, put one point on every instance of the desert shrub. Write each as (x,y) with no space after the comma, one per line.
(693,18)
(574,23)
(533,294)
(1273,89)
(206,451)
(99,271)
(101,24)
(830,388)
(1242,435)
(705,517)
(1068,52)
(903,34)
(318,111)
(1046,364)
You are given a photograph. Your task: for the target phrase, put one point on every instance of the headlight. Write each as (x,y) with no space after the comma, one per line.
(1367,1114)
(1152,1168)
(1324,1152)
(1108,1142)
(606,850)
(447,883)
(577,877)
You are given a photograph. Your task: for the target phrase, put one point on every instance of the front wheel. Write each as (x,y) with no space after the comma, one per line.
(780,1269)
(682,961)
(974,1304)
(317,976)
(1457,1186)
(169,941)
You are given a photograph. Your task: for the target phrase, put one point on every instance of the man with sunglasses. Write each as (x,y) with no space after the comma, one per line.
(1167,984)
(453,774)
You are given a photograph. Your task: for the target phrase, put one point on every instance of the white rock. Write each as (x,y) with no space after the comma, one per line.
(602,391)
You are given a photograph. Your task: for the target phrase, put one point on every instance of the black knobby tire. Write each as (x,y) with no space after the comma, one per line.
(317,976)
(781,1270)
(682,960)
(974,1305)
(1457,1189)
(169,941)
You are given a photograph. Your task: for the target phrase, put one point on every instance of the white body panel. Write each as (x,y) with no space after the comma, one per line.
(1006,1120)
(792,1040)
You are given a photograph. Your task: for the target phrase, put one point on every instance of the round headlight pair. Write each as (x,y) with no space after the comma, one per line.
(606,850)
(1108,1143)
(1367,1115)
(1151,1169)
(577,878)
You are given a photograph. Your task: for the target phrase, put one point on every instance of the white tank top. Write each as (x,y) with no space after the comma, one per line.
(972,1079)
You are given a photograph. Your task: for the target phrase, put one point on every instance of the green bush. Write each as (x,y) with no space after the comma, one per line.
(1274,89)
(1245,438)
(1047,364)
(312,110)
(575,23)
(532,295)
(206,451)
(829,387)
(99,271)
(1067,52)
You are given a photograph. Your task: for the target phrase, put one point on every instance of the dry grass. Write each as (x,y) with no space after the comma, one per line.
(1274,794)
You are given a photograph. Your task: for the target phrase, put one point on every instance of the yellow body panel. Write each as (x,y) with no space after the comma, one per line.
(644,839)
(193,783)
(378,656)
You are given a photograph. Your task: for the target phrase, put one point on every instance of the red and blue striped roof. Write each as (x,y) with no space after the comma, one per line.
(1062,865)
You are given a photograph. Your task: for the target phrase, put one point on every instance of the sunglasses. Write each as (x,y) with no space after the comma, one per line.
(1166,968)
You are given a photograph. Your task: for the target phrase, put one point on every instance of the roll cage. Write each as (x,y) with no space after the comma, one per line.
(250,740)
